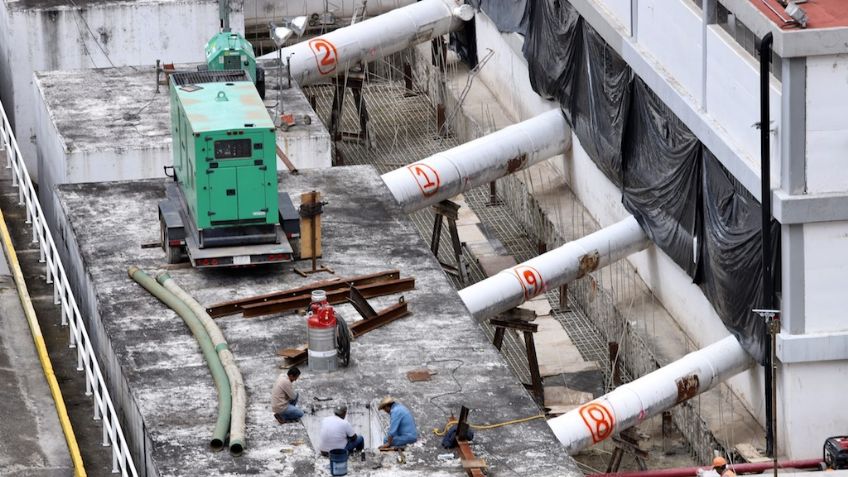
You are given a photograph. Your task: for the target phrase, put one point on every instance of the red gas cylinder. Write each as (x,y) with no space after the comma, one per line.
(321,336)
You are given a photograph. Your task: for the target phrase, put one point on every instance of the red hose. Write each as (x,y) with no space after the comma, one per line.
(756,468)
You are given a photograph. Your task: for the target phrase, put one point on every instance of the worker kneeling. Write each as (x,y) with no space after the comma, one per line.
(337,433)
(402,430)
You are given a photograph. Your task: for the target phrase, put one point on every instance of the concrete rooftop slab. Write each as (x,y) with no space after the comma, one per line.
(28,412)
(107,108)
(80,4)
(170,391)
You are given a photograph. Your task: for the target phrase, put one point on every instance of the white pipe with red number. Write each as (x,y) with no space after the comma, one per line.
(632,403)
(511,287)
(369,40)
(483,160)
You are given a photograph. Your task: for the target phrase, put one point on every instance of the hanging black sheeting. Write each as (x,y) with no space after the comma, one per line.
(661,170)
(731,249)
(674,187)
(510,16)
(464,43)
(552,48)
(598,108)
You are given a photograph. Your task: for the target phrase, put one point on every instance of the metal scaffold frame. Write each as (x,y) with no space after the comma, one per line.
(95,384)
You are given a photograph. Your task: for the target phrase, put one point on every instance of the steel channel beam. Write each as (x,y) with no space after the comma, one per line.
(334,297)
(235,306)
(384,317)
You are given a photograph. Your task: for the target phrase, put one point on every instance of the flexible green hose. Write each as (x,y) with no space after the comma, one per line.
(202,337)
(227,359)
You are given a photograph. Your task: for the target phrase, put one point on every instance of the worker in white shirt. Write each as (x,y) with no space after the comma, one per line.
(337,433)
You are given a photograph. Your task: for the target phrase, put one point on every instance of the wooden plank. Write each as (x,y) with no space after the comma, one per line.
(307,225)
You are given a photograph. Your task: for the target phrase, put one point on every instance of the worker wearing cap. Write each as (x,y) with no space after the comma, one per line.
(284,398)
(402,430)
(337,433)
(720,466)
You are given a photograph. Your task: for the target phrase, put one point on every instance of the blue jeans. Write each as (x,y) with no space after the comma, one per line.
(291,412)
(399,441)
(355,444)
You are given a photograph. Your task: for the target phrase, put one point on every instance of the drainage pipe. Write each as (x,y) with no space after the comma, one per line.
(765,198)
(748,468)
(513,286)
(239,398)
(369,40)
(218,375)
(650,395)
(483,160)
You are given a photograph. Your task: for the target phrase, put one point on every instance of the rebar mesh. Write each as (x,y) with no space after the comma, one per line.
(402,130)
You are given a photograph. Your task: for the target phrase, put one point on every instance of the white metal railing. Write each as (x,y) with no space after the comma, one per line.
(113,434)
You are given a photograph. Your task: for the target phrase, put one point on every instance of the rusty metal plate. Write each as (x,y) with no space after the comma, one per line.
(417,375)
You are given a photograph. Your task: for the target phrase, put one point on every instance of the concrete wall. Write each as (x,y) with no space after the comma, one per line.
(126,33)
(671,32)
(258,13)
(826,271)
(733,98)
(827,123)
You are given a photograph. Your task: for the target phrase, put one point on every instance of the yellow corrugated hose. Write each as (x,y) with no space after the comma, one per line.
(41,348)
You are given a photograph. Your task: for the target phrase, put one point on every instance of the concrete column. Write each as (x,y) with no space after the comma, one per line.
(709,18)
(793,182)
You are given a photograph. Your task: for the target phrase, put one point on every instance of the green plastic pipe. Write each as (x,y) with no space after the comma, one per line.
(227,359)
(219,434)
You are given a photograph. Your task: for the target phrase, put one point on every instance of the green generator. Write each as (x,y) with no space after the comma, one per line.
(229,51)
(223,207)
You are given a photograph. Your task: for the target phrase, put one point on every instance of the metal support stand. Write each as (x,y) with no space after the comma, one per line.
(615,363)
(353,81)
(449,210)
(627,442)
(493,195)
(563,299)
(530,346)
(312,208)
(772,319)
(472,465)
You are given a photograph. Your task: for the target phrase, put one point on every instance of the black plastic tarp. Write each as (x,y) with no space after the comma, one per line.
(599,105)
(552,47)
(732,248)
(510,16)
(685,200)
(661,169)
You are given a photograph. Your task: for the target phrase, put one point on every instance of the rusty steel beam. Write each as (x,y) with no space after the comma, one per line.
(384,317)
(472,465)
(334,297)
(235,306)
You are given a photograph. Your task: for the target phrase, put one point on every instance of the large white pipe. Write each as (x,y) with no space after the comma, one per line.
(483,160)
(261,12)
(513,286)
(337,51)
(650,395)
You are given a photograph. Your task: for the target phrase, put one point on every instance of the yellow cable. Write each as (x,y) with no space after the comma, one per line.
(481,427)
(41,348)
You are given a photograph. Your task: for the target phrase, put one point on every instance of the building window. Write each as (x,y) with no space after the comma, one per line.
(745,38)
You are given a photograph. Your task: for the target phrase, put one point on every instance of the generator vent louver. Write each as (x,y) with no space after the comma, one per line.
(199,77)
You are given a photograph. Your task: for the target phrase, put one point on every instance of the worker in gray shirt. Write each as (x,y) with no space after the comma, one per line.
(284,398)
(337,433)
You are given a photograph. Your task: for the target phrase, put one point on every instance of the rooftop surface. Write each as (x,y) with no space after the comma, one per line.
(123,111)
(363,232)
(820,13)
(120,107)
(28,412)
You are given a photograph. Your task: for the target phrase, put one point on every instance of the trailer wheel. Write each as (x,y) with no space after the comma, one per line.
(174,254)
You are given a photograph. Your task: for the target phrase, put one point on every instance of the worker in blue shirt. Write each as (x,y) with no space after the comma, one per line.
(402,430)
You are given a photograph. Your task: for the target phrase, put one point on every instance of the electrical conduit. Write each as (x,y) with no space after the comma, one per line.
(483,160)
(239,397)
(222,384)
